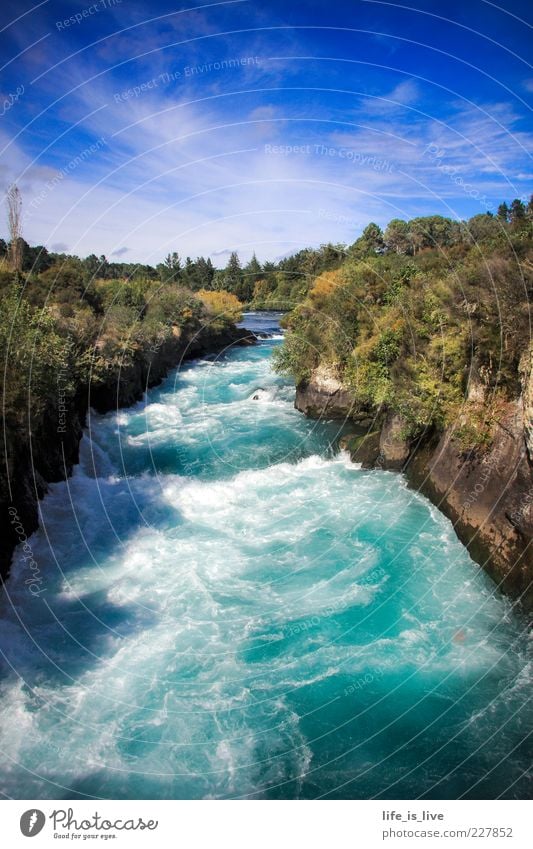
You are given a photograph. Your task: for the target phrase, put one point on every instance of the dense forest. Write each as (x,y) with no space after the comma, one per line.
(80,333)
(269,285)
(83,323)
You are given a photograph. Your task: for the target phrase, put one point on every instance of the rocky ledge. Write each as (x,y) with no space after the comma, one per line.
(324,395)
(487,494)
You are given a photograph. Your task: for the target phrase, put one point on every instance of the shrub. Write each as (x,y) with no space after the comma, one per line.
(222,308)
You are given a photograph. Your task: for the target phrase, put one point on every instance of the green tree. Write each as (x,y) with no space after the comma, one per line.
(170,269)
(204,273)
(35,259)
(36,353)
(517,211)
(483,227)
(233,273)
(188,274)
(503,212)
(251,273)
(92,266)
(397,237)
(253,267)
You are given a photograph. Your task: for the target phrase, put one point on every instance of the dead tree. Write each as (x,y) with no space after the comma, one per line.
(14,211)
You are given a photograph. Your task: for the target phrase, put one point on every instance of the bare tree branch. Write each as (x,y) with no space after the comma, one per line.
(14,211)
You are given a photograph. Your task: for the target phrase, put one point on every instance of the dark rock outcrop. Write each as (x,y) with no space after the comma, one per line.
(488,497)
(363,448)
(394,448)
(324,396)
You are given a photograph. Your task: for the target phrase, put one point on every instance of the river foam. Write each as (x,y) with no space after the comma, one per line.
(230,608)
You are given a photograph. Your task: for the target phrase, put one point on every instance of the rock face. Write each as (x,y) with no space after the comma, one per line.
(394,448)
(364,449)
(527,399)
(128,385)
(489,499)
(487,495)
(49,454)
(324,396)
(28,465)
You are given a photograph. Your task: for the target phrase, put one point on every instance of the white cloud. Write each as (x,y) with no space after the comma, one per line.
(405,93)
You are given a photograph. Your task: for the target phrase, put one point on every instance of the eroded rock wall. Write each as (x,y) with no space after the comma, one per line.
(488,495)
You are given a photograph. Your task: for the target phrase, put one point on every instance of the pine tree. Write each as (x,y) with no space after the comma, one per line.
(170,269)
(503,212)
(233,272)
(188,274)
(253,268)
(204,273)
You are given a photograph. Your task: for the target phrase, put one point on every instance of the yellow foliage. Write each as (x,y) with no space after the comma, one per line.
(261,289)
(222,305)
(398,325)
(324,285)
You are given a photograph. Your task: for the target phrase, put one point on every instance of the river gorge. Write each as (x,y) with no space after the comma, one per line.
(228,607)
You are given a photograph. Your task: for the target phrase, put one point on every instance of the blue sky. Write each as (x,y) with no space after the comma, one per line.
(134,129)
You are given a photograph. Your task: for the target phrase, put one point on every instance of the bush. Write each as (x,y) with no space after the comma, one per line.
(222,308)
(402,330)
(36,353)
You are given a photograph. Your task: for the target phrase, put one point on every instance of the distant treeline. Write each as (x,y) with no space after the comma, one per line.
(282,284)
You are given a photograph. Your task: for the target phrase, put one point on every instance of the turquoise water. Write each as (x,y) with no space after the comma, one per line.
(230,608)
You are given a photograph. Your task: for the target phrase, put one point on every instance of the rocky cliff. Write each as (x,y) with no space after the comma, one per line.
(51,449)
(324,395)
(487,494)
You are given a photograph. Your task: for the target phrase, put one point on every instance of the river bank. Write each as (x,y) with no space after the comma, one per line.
(50,449)
(486,494)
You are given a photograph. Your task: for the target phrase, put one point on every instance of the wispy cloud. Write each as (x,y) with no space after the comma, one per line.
(406,93)
(273,153)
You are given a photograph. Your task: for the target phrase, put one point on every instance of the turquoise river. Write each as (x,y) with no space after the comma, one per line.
(232,609)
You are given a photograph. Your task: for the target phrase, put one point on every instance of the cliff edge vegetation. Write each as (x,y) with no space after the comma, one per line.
(71,339)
